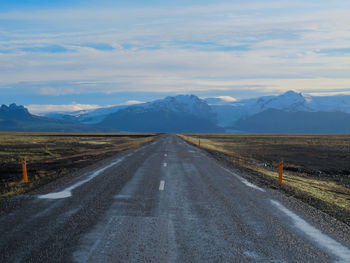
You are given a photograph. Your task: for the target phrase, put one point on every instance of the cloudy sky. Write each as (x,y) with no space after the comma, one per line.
(86,54)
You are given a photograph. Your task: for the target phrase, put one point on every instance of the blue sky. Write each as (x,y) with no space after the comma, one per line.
(94,53)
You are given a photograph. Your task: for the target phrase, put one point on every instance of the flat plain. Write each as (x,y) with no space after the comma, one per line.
(52,155)
(167,201)
(316,167)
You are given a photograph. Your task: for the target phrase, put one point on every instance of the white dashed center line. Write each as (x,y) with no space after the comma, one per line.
(165,155)
(161,185)
(165,164)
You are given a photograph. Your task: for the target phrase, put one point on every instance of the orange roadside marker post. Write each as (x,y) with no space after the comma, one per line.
(280,173)
(199,143)
(24,170)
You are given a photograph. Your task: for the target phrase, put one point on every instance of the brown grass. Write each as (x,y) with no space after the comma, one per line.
(52,155)
(317,166)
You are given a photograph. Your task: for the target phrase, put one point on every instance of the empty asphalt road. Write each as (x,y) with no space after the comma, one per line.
(167,201)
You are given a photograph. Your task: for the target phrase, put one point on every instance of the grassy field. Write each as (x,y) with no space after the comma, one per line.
(51,155)
(316,167)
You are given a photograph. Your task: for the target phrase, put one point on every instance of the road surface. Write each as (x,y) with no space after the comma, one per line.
(167,201)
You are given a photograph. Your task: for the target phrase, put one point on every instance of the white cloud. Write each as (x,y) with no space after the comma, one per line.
(226,98)
(283,40)
(132,102)
(57,91)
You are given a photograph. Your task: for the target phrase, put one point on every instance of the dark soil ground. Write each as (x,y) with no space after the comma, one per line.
(266,182)
(50,156)
(321,156)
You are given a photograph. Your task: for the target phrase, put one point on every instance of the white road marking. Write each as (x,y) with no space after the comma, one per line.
(165,164)
(161,185)
(68,191)
(333,246)
(249,184)
(165,155)
(246,182)
(121,196)
(252,255)
(57,195)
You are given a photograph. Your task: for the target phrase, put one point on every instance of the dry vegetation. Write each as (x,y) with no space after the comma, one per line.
(51,155)
(316,167)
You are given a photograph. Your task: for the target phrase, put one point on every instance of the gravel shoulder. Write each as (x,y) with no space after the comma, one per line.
(331,220)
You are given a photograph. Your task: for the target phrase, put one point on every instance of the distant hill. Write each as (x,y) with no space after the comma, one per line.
(183,113)
(290,112)
(230,112)
(17,118)
(219,113)
(85,116)
(279,121)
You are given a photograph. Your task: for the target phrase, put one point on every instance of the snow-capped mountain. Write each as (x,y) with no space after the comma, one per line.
(290,101)
(96,116)
(231,112)
(18,118)
(85,116)
(190,113)
(340,103)
(182,113)
(189,104)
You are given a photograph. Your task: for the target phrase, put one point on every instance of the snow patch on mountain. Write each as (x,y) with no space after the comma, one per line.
(189,104)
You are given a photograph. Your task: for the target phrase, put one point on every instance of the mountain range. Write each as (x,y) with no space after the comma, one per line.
(18,118)
(290,112)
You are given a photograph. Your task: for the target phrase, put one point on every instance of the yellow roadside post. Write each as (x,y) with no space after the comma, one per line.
(199,142)
(280,173)
(24,169)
